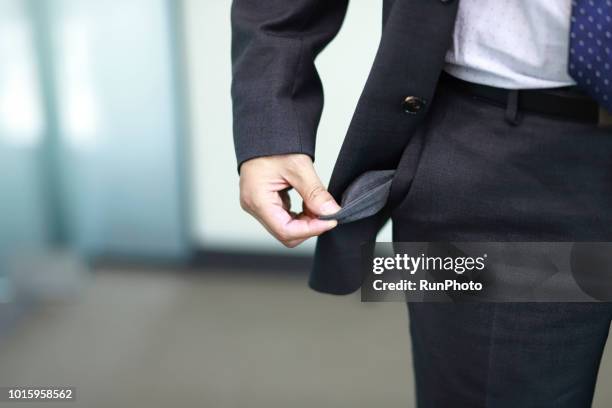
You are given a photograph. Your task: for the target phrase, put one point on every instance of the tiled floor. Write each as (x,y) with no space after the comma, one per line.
(218,340)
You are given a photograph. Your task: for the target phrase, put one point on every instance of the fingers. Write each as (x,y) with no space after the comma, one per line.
(305,180)
(264,186)
(291,229)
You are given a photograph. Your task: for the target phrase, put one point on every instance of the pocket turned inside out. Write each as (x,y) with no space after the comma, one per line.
(364,197)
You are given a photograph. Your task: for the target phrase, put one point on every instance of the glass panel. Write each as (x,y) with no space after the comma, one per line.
(21,127)
(116,99)
(22,214)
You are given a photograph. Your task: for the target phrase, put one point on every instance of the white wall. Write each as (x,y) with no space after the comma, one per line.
(218,221)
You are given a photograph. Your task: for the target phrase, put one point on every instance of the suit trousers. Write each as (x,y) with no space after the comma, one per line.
(480,178)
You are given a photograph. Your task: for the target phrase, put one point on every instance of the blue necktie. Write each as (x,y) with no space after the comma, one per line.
(590,60)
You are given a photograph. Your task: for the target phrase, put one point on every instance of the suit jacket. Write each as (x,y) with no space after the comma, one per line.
(278,100)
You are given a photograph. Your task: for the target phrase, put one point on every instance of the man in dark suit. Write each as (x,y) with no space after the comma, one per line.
(492,118)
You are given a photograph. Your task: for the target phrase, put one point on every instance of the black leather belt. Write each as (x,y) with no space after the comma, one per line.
(568,103)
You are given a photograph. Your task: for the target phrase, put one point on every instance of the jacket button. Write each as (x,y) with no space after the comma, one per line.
(413,104)
(446,1)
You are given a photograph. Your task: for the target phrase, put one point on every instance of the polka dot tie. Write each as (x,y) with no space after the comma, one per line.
(590,61)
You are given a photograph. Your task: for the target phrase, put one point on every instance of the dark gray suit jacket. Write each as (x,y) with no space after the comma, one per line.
(278,99)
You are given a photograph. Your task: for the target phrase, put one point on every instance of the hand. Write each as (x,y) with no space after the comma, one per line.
(264,186)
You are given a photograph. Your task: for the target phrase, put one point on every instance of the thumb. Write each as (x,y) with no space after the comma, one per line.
(316,197)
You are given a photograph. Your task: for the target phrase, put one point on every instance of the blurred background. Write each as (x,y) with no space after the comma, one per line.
(127,268)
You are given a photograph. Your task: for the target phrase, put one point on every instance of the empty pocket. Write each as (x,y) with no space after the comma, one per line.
(364,197)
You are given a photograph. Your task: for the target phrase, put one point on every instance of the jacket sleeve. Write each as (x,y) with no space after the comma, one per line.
(276,91)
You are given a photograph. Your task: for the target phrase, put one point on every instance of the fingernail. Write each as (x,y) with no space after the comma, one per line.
(329,208)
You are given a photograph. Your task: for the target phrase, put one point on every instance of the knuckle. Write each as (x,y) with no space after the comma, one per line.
(250,203)
(256,206)
(315,191)
(283,236)
(291,244)
(245,202)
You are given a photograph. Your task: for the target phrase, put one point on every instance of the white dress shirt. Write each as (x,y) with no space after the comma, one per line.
(512,44)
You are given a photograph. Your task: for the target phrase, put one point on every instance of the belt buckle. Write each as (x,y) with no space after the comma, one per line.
(605,118)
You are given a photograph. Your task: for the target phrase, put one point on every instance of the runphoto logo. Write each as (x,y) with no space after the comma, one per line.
(411,264)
